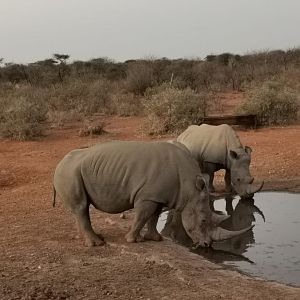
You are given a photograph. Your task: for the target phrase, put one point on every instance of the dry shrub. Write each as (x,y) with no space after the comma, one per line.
(291,78)
(273,104)
(83,96)
(92,129)
(126,105)
(58,118)
(170,110)
(140,76)
(22,118)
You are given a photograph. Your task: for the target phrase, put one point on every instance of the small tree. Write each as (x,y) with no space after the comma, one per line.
(61,60)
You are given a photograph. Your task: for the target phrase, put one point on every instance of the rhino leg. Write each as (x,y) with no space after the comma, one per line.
(211,182)
(229,206)
(210,169)
(144,210)
(227,179)
(82,216)
(152,234)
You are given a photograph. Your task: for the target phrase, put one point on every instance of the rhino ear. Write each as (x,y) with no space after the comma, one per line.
(233,154)
(248,150)
(202,181)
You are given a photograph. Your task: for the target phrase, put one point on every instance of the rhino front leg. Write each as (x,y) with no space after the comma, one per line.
(143,211)
(211,182)
(82,216)
(228,181)
(210,169)
(152,233)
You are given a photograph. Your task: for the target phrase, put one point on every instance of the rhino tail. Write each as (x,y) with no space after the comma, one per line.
(54,196)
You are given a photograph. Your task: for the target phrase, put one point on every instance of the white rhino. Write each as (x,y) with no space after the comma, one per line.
(219,147)
(147,176)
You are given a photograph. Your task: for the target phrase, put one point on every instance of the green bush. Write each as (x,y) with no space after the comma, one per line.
(171,110)
(273,104)
(22,118)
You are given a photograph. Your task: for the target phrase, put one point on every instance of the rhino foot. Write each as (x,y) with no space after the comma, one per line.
(134,238)
(100,236)
(153,236)
(95,241)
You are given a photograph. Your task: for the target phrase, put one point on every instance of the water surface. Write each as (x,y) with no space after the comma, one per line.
(271,250)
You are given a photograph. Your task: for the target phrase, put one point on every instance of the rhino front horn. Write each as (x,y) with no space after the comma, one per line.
(220,234)
(252,190)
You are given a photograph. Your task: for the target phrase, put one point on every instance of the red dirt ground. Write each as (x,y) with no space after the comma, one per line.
(40,259)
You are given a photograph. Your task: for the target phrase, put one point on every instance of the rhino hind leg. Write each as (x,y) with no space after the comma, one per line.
(152,234)
(144,210)
(82,216)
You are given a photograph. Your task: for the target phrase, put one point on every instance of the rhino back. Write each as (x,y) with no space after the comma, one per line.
(116,174)
(210,143)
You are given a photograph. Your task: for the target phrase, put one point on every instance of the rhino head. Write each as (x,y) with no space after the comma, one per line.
(200,222)
(241,179)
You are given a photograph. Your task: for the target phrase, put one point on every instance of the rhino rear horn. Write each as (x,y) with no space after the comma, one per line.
(217,219)
(220,234)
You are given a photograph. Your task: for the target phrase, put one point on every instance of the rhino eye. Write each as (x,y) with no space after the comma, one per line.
(238,179)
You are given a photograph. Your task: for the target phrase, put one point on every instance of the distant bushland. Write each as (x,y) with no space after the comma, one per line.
(57,90)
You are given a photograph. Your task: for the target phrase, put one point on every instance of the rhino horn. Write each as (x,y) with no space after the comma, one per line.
(220,234)
(252,190)
(217,219)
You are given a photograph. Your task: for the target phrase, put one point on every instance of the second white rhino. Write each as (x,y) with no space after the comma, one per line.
(219,147)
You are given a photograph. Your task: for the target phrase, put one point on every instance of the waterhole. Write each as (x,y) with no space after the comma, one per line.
(271,250)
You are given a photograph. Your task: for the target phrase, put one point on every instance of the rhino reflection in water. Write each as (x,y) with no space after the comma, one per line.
(242,216)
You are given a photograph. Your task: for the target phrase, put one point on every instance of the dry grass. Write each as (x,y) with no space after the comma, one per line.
(23,114)
(127,104)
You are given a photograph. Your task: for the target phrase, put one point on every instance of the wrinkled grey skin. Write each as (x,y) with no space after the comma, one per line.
(219,147)
(117,176)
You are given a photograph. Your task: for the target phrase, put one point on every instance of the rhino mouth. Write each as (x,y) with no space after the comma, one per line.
(249,191)
(252,189)
(201,245)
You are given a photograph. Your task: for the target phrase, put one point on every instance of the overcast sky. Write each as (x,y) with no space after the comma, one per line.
(32,30)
